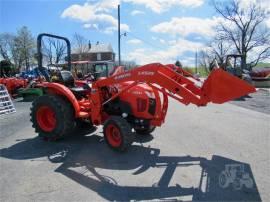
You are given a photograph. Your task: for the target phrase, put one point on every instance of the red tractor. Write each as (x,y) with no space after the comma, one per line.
(124,102)
(13,84)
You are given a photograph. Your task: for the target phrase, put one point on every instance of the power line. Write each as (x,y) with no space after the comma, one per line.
(147,42)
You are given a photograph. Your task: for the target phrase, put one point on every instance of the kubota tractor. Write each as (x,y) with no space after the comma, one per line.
(13,84)
(124,102)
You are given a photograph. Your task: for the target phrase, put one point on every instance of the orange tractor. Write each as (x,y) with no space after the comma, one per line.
(13,84)
(124,101)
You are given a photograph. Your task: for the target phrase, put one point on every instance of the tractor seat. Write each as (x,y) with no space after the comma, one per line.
(68,80)
(80,92)
(79,89)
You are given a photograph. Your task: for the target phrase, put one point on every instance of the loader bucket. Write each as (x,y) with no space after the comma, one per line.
(221,87)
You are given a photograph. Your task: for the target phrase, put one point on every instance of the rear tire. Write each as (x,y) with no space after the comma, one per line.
(52,117)
(146,131)
(118,133)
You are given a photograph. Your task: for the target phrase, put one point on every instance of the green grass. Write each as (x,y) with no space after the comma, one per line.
(261,65)
(200,70)
(204,73)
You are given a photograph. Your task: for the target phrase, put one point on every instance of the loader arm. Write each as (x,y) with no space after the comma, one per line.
(160,77)
(218,88)
(186,90)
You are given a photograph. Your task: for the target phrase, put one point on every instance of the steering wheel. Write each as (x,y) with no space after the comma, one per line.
(89,76)
(92,76)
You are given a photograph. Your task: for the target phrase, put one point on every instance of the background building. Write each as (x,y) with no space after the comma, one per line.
(98,52)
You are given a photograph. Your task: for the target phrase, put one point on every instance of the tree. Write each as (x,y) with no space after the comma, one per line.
(53,50)
(5,68)
(205,60)
(245,28)
(47,50)
(24,47)
(9,50)
(80,43)
(60,49)
(6,45)
(217,49)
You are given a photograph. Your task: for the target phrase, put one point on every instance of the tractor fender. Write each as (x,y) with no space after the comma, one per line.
(59,89)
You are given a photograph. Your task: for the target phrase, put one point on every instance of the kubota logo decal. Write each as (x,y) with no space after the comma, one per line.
(136,92)
(122,76)
(146,73)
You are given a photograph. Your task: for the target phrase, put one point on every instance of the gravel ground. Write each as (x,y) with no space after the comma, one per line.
(259,101)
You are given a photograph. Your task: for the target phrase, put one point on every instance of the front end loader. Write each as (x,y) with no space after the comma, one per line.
(125,101)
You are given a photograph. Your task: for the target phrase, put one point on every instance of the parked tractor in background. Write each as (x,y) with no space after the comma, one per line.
(7,78)
(103,69)
(123,101)
(234,66)
(13,85)
(261,77)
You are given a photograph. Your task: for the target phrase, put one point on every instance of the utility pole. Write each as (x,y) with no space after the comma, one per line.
(119,37)
(196,62)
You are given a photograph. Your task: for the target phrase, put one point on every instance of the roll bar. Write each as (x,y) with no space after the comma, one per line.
(39,54)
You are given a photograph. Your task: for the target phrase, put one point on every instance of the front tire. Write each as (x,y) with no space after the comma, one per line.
(118,133)
(223,180)
(146,131)
(52,117)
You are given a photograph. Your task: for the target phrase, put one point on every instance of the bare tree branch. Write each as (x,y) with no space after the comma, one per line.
(246,29)
(80,43)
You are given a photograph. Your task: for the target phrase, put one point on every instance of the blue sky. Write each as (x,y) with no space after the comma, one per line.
(157,30)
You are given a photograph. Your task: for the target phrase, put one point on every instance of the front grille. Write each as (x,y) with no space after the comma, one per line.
(152,106)
(141,104)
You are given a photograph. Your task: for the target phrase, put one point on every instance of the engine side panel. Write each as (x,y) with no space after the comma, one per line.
(142,100)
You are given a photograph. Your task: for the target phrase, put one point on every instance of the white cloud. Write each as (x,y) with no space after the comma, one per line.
(89,26)
(176,49)
(162,41)
(160,6)
(95,15)
(268,22)
(205,27)
(136,12)
(262,3)
(98,13)
(172,42)
(187,25)
(134,41)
